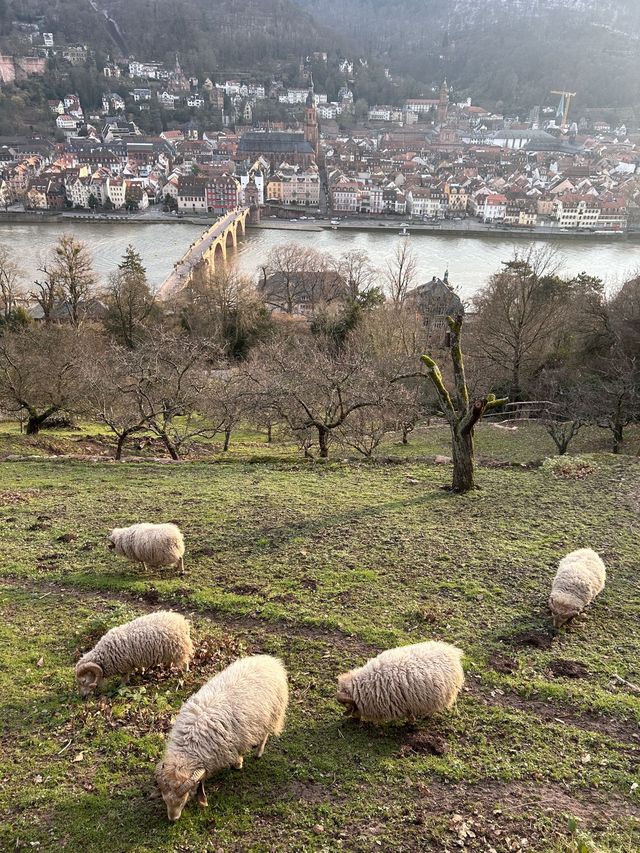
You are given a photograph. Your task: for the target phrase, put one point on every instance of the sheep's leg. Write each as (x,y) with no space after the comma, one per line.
(262,746)
(181,565)
(201,795)
(125,677)
(239,763)
(144,566)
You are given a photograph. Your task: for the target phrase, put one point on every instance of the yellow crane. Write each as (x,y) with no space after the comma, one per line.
(565,104)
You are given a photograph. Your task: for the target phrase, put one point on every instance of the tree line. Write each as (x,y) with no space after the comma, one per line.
(366,360)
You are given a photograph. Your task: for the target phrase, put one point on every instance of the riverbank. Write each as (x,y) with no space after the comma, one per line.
(465,228)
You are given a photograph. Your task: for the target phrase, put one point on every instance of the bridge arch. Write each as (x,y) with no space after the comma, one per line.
(209,250)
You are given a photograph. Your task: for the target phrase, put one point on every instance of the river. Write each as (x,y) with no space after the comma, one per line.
(470,260)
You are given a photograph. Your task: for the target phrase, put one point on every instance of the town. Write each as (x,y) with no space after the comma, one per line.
(433,161)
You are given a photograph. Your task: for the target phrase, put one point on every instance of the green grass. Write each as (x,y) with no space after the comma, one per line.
(325,565)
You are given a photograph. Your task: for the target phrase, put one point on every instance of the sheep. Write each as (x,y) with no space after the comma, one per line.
(157,638)
(233,712)
(580,577)
(407,682)
(152,545)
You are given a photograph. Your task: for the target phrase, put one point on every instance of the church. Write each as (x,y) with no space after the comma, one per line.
(299,149)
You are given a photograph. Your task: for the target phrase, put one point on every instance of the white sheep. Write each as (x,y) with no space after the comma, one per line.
(157,638)
(580,577)
(407,682)
(232,713)
(152,545)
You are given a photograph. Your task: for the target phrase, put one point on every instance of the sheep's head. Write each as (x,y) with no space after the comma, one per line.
(345,695)
(563,607)
(88,676)
(178,783)
(111,539)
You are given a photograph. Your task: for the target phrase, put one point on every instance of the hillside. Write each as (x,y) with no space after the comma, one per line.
(325,566)
(207,34)
(502,51)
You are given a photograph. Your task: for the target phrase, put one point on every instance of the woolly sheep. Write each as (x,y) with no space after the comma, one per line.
(406,682)
(232,713)
(580,577)
(152,545)
(158,638)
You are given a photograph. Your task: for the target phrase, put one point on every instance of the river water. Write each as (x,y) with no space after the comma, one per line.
(470,260)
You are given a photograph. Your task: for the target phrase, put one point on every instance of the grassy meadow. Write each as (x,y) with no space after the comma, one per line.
(325,565)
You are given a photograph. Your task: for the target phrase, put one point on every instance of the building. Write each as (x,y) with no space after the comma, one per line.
(494,208)
(222,194)
(443,104)
(276,147)
(311,133)
(192,194)
(300,187)
(435,301)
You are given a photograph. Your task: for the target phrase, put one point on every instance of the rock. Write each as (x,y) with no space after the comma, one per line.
(318,829)
(442,460)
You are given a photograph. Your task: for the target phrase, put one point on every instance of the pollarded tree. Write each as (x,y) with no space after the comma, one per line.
(41,372)
(461,413)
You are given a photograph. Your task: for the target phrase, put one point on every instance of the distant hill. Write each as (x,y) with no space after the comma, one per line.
(513,51)
(207,34)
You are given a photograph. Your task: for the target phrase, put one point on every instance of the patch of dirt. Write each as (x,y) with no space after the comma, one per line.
(423,743)
(214,653)
(67,537)
(568,669)
(309,583)
(535,639)
(7,498)
(246,589)
(503,663)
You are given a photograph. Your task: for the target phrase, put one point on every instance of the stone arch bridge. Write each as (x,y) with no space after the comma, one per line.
(208,250)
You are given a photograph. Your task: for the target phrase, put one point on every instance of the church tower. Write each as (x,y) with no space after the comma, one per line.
(311,122)
(443,104)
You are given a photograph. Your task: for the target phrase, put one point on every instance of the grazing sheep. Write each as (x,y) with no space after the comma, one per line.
(580,577)
(232,713)
(152,545)
(160,637)
(410,681)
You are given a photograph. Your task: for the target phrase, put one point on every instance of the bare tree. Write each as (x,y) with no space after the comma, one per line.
(40,372)
(224,307)
(356,271)
(366,428)
(10,276)
(400,273)
(295,277)
(311,387)
(225,400)
(520,315)
(72,269)
(169,375)
(113,394)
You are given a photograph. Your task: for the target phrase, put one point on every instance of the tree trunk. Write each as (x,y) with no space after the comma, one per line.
(618,436)
(463,462)
(269,433)
(323,441)
(35,421)
(173,453)
(227,439)
(405,434)
(121,440)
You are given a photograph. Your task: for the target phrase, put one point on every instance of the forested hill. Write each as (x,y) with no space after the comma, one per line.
(507,52)
(207,34)
(502,50)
